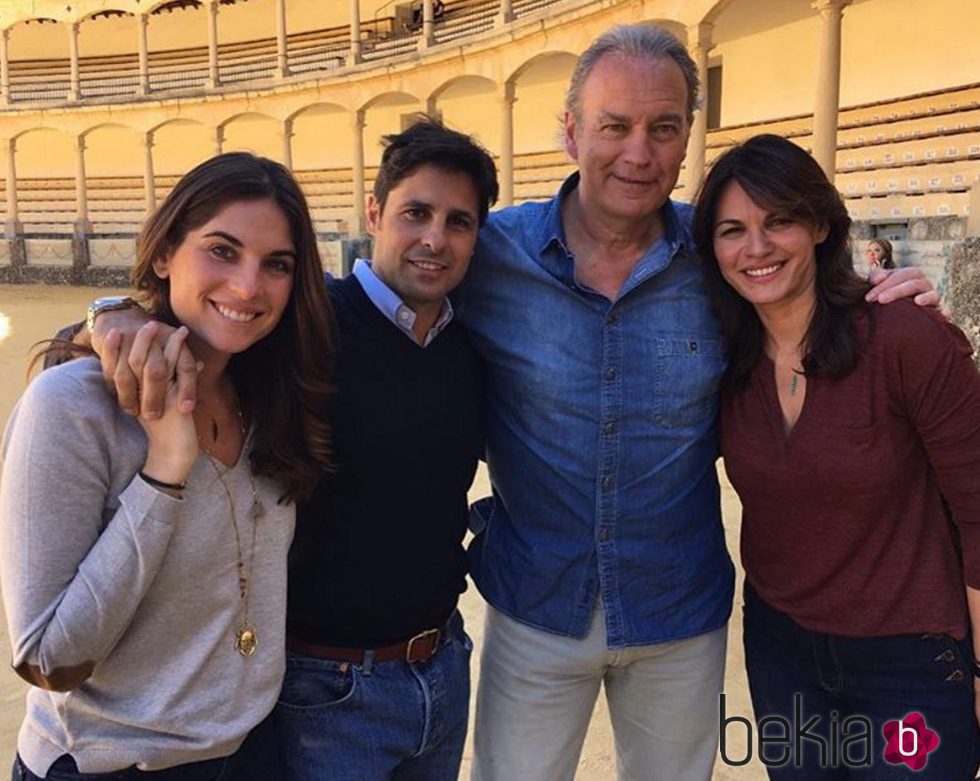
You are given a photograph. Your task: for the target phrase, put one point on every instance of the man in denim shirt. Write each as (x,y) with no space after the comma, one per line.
(602,552)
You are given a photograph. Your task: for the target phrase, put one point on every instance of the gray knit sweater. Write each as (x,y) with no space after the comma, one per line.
(98,566)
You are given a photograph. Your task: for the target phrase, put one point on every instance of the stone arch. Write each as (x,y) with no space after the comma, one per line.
(178,145)
(540,84)
(252,131)
(313,123)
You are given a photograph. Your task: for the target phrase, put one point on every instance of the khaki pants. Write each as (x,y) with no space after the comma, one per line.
(537,691)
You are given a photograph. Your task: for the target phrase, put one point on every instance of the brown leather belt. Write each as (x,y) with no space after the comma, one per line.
(420,648)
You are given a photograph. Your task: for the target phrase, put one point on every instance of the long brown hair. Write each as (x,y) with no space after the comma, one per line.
(780,176)
(283,381)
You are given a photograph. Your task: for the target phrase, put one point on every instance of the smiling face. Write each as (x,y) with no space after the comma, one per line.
(231,279)
(425,235)
(768,257)
(631,136)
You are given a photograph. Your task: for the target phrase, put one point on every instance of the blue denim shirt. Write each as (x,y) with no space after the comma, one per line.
(601,435)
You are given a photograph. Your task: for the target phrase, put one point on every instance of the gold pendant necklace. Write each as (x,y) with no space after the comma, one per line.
(246,638)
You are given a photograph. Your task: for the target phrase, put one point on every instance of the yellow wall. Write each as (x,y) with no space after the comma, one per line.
(769,74)
(893,48)
(537,114)
(890,48)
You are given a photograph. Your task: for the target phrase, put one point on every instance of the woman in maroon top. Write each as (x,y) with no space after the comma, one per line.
(859,593)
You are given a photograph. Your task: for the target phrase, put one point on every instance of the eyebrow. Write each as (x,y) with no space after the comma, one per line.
(237,243)
(463,213)
(626,120)
(728,221)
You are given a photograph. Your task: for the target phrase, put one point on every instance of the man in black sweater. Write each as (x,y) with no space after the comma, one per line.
(377,679)
(377,676)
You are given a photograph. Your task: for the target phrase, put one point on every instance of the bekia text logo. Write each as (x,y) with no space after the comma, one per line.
(909,741)
(829,743)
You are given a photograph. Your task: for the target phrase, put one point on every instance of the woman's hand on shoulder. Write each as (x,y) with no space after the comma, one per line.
(895,284)
(172,437)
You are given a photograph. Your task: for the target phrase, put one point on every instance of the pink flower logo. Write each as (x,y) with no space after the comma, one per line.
(910,741)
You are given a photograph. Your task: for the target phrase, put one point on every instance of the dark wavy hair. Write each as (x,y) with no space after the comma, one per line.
(781,177)
(887,260)
(428,142)
(283,381)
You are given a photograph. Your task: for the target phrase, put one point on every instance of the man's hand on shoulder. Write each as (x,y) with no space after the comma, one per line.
(895,284)
(131,348)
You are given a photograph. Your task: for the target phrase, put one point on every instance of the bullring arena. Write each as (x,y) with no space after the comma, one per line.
(104,104)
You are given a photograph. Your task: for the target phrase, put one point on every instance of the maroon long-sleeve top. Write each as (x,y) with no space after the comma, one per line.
(865,519)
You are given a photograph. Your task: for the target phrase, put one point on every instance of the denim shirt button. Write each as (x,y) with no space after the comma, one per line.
(612,319)
(606,483)
(603,535)
(610,374)
(609,428)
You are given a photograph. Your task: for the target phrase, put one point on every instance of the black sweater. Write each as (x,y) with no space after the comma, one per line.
(378,553)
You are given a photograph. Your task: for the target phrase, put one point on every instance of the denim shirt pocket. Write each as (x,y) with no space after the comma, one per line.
(687,377)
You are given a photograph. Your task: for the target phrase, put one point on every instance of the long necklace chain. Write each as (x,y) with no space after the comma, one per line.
(246,638)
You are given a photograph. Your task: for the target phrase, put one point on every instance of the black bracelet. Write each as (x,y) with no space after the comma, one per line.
(976,669)
(160,484)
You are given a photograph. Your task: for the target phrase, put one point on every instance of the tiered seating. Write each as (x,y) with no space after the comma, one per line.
(244,62)
(910,157)
(538,175)
(524,8)
(465,18)
(117,204)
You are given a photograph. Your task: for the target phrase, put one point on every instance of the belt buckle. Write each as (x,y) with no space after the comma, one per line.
(422,637)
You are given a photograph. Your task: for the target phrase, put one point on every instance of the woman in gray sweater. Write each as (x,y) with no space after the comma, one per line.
(144,561)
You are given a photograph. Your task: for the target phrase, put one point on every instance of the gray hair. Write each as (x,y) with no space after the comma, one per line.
(633,40)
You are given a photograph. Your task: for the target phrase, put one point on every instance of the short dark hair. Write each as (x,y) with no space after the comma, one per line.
(429,142)
(642,40)
(781,177)
(283,380)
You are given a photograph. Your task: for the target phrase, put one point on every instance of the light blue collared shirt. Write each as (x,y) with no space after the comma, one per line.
(389,303)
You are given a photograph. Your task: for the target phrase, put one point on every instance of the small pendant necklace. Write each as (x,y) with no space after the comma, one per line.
(246,638)
(793,383)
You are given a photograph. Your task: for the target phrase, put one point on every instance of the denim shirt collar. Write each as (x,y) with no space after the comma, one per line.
(556,257)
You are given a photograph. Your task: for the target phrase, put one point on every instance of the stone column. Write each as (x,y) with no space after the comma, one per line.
(282,46)
(4,68)
(973,221)
(828,85)
(963,289)
(427,38)
(149,180)
(506,13)
(355,33)
(431,107)
(287,143)
(507,98)
(82,224)
(12,226)
(219,139)
(699,43)
(142,20)
(358,216)
(74,89)
(213,77)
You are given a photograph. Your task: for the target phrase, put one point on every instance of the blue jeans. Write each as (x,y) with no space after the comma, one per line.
(373,722)
(256,760)
(797,675)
